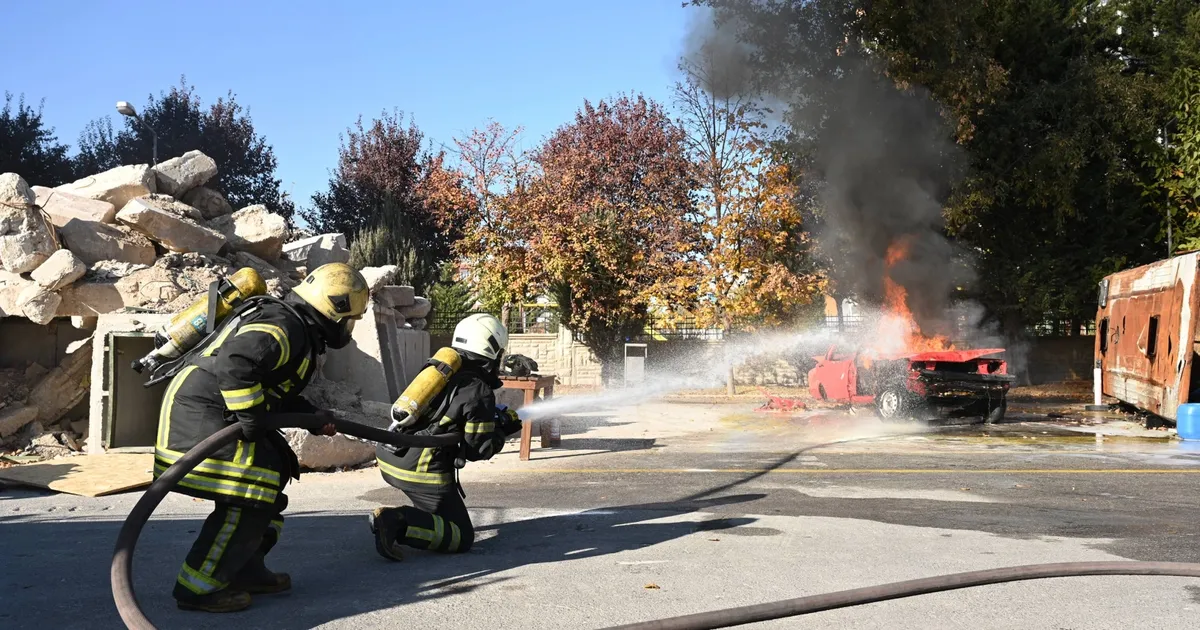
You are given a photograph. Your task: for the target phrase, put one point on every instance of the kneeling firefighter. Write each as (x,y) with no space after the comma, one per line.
(258,361)
(467,373)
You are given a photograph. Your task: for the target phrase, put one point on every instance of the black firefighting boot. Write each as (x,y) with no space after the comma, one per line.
(255,578)
(226,600)
(387,526)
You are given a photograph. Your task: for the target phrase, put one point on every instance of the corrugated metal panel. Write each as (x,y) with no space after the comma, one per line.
(1145,331)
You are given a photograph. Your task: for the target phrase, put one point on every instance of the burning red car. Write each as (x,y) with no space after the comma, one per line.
(917,384)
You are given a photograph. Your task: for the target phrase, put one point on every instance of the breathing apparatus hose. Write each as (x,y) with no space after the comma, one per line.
(856,597)
(121,572)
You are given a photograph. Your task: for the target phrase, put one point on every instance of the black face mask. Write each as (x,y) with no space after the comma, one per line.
(338,334)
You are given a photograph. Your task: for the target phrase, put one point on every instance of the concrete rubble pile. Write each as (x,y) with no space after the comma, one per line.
(149,240)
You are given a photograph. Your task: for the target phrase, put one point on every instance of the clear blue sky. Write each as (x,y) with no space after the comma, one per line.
(307,69)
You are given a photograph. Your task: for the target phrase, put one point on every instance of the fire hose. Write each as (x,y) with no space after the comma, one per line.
(121,573)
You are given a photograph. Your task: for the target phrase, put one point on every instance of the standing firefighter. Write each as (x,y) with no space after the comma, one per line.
(258,362)
(466,405)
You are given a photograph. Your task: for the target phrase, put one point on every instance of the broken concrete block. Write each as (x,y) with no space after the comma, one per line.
(116,186)
(64,206)
(59,270)
(25,237)
(178,175)
(168,204)
(318,250)
(264,268)
(38,303)
(209,202)
(255,230)
(14,191)
(84,322)
(393,296)
(319,452)
(379,277)
(63,387)
(416,324)
(419,309)
(94,242)
(178,234)
(12,420)
(89,299)
(11,285)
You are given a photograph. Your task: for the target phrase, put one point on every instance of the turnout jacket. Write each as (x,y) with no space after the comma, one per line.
(466,406)
(259,362)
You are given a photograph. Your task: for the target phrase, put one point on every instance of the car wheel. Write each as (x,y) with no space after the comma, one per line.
(995,412)
(892,404)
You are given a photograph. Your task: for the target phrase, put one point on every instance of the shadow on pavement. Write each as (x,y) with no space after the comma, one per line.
(56,572)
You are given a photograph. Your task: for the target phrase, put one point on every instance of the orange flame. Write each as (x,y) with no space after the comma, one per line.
(898,318)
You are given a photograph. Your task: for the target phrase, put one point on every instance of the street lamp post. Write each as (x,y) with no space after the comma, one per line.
(125,109)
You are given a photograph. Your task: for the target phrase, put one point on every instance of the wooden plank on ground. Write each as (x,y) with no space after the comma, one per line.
(86,475)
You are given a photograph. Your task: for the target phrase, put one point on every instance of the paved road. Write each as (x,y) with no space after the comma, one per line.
(588,539)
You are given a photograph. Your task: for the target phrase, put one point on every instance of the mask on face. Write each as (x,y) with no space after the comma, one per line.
(338,334)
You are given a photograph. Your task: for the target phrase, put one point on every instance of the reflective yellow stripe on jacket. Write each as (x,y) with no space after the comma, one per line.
(239,399)
(428,478)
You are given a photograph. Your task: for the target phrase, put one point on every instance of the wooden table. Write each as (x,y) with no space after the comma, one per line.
(535,388)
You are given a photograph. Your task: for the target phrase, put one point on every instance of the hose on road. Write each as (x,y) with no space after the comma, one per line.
(856,597)
(121,571)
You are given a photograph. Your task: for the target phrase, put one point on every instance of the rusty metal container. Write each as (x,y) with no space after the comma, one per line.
(1146,339)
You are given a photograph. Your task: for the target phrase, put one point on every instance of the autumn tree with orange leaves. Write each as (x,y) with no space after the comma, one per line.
(598,219)
(753,267)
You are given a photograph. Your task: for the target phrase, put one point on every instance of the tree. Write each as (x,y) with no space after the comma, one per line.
(1055,106)
(753,266)
(474,199)
(377,197)
(600,224)
(29,148)
(605,225)
(452,299)
(223,131)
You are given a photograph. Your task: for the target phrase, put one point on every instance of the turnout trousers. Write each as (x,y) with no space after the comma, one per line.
(233,537)
(437,521)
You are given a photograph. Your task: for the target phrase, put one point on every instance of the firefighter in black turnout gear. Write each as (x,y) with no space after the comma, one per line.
(438,519)
(259,360)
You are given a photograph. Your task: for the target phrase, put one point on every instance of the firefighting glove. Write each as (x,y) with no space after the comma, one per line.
(507,420)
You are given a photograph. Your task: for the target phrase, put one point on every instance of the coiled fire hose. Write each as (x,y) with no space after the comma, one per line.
(121,572)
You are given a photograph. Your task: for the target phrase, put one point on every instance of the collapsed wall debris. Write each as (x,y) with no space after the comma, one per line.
(142,240)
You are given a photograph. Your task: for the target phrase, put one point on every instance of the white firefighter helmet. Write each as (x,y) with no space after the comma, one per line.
(481,334)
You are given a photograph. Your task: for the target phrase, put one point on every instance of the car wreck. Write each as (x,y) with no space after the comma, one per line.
(917,385)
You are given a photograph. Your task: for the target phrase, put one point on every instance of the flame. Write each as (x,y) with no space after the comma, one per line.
(898,329)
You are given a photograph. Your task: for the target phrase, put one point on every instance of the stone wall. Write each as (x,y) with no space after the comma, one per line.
(560,355)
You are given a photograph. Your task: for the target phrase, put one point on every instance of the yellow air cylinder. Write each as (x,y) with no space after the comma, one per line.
(432,380)
(187,328)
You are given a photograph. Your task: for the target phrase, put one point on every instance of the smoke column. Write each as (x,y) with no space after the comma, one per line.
(879,162)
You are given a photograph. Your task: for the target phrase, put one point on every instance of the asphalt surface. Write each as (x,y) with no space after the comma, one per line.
(584,537)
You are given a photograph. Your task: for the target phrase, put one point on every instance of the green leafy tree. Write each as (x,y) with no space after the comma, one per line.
(452,298)
(1057,107)
(223,131)
(29,148)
